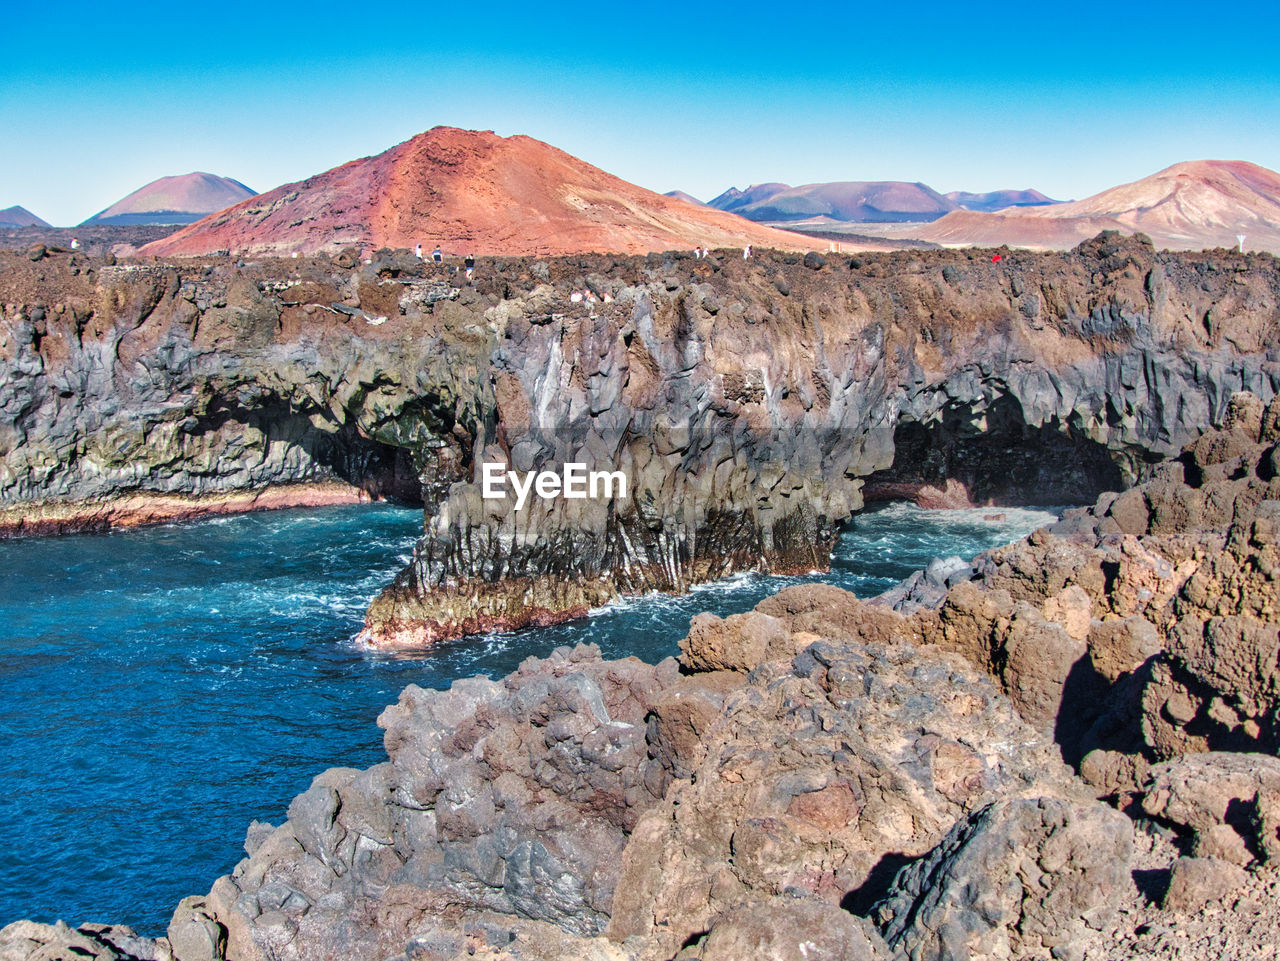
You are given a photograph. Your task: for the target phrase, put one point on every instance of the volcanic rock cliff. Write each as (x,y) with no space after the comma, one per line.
(827,778)
(749,406)
(752,405)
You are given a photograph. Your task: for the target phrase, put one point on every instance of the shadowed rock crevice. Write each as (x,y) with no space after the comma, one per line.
(862,899)
(972,455)
(339,451)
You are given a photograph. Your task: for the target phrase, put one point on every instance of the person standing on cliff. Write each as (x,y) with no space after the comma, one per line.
(746,252)
(470,264)
(417,251)
(437,255)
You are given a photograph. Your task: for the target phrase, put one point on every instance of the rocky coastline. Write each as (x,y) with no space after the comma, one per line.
(1067,750)
(753,405)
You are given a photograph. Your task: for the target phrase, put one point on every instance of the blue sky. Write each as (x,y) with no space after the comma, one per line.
(97,99)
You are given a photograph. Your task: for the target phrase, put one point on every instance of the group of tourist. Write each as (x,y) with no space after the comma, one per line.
(437,256)
(702,253)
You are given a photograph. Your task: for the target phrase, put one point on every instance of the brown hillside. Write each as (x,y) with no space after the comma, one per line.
(470,192)
(1188,206)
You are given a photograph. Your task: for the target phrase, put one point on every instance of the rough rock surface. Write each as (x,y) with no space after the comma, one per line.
(747,402)
(514,797)
(1145,627)
(819,776)
(28,941)
(1229,804)
(784,928)
(1016,878)
(1195,882)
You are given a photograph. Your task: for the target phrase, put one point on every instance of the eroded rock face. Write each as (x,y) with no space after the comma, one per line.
(783,928)
(1195,882)
(29,941)
(142,393)
(1229,804)
(745,401)
(746,418)
(799,755)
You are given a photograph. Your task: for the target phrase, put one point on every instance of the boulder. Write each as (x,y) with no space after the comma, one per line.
(739,642)
(30,941)
(820,775)
(194,934)
(514,797)
(1018,876)
(1195,882)
(1228,803)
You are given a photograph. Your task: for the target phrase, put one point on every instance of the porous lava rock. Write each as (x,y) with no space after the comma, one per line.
(1016,878)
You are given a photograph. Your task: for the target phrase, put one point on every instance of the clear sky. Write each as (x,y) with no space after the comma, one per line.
(98,98)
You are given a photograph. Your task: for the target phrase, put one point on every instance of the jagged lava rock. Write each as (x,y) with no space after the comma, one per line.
(784,928)
(821,765)
(1195,882)
(1016,878)
(747,420)
(1146,626)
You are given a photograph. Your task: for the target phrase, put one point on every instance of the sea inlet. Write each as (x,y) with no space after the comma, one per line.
(161,688)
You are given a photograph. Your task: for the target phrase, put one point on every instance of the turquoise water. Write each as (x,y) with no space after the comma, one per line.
(161,688)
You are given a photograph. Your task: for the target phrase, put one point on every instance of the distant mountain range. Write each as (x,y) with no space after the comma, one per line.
(681,195)
(862,201)
(476,192)
(470,192)
(1191,205)
(12,217)
(999,199)
(737,200)
(174,200)
(857,200)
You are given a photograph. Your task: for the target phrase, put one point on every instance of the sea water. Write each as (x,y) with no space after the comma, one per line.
(161,688)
